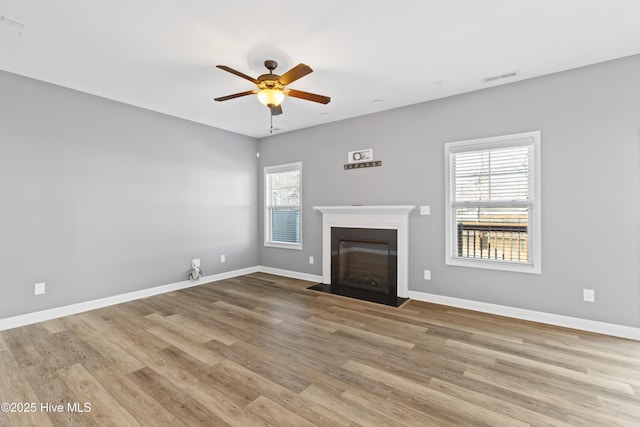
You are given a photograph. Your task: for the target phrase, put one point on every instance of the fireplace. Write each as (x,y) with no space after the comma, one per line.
(364,263)
(365,252)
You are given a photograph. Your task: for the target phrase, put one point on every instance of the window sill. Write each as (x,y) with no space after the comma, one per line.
(283,245)
(495,265)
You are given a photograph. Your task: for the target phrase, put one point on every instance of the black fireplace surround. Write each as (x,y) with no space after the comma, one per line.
(364,265)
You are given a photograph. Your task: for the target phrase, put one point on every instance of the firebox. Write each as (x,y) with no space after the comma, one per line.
(364,264)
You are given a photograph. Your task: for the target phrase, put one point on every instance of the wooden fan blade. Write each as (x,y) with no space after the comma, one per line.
(276,111)
(308,96)
(237,73)
(294,74)
(236,95)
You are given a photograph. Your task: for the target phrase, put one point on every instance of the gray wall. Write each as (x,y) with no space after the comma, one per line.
(99,198)
(590,124)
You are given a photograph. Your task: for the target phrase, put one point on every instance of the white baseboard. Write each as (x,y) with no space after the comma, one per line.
(54,313)
(289,273)
(534,316)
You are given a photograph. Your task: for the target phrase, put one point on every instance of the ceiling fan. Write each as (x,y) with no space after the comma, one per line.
(272,87)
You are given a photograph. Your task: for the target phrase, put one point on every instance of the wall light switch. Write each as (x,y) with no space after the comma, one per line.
(39,288)
(589,295)
(425,210)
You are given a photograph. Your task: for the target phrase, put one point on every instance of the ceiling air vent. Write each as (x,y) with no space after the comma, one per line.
(497,77)
(13,23)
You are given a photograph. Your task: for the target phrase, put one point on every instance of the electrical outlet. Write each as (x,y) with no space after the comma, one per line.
(425,210)
(223,258)
(195,263)
(427,275)
(310,260)
(589,295)
(39,288)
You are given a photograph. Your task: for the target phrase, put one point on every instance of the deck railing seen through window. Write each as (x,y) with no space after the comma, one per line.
(497,242)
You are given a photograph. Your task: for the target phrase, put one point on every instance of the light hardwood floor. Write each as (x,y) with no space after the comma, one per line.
(263,350)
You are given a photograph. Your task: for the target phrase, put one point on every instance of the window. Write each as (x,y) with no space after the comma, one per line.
(493,203)
(283,191)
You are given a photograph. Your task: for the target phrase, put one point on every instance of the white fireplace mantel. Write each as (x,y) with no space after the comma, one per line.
(395,217)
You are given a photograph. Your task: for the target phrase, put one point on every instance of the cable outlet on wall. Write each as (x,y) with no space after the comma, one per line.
(195,263)
(223,258)
(589,295)
(39,288)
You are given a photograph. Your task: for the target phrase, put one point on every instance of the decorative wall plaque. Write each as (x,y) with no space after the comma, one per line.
(359,156)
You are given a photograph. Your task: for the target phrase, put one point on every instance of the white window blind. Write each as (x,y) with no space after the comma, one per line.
(283,206)
(493,211)
(490,176)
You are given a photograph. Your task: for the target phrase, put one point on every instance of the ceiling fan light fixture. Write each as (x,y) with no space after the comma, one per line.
(271,97)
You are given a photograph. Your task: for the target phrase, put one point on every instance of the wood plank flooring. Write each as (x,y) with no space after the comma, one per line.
(263,350)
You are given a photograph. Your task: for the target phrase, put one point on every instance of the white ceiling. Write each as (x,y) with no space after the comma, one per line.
(161,54)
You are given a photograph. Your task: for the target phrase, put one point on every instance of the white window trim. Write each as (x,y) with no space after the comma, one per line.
(535,222)
(267,209)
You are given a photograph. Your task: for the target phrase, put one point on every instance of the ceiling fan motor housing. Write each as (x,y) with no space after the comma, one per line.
(270,81)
